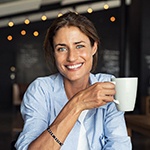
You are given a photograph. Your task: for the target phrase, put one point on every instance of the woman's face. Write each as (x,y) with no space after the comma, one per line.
(73,53)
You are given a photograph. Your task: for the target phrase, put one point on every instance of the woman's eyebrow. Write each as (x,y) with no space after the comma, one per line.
(79,42)
(60,44)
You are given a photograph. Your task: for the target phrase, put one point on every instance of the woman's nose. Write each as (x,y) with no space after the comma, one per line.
(72,55)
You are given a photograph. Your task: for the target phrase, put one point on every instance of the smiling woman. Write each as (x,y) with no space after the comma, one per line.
(73,53)
(84,25)
(72,104)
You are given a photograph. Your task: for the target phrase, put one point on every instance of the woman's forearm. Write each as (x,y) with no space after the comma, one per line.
(61,127)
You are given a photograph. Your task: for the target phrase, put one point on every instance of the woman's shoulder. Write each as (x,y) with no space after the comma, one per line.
(48,78)
(46,81)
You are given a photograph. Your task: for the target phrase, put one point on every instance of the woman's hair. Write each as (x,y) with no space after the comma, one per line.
(69,19)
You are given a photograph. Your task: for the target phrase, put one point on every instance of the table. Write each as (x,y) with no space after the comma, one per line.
(138,123)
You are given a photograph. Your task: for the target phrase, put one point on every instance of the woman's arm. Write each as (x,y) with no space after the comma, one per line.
(94,96)
(61,127)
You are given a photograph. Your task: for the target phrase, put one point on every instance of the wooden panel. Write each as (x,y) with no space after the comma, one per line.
(138,123)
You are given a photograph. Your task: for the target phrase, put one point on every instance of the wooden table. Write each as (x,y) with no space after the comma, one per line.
(138,123)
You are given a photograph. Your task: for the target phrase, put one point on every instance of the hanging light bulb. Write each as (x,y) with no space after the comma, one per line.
(106,6)
(9,37)
(44,17)
(26,21)
(12,68)
(12,76)
(90,10)
(60,14)
(112,19)
(10,23)
(35,33)
(23,32)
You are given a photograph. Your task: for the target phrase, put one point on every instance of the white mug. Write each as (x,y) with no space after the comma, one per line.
(126,91)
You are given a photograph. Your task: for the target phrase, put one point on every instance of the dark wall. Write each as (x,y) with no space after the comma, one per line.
(139,27)
(145,46)
(109,33)
(25,53)
(7,58)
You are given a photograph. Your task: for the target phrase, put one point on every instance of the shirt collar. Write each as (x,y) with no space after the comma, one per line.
(58,82)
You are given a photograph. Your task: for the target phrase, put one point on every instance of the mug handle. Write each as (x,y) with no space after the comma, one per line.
(115,101)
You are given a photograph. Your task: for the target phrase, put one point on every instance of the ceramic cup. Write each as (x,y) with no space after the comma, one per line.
(126,91)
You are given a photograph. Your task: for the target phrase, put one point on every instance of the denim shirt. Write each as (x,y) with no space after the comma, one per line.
(45,97)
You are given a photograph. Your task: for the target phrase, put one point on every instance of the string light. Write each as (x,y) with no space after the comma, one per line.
(44,17)
(26,21)
(112,19)
(23,32)
(12,68)
(60,14)
(35,33)
(12,76)
(10,24)
(90,10)
(9,37)
(106,6)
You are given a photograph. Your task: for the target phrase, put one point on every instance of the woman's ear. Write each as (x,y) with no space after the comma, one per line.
(94,48)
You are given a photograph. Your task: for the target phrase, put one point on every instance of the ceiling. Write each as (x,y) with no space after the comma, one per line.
(18,10)
(14,7)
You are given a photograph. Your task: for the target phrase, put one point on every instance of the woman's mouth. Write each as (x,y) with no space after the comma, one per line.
(74,66)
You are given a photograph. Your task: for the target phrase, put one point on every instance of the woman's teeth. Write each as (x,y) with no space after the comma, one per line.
(74,66)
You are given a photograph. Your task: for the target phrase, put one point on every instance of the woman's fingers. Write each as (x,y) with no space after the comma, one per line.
(107,85)
(96,95)
(105,89)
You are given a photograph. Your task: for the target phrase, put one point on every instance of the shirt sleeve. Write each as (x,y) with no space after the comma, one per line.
(116,136)
(34,112)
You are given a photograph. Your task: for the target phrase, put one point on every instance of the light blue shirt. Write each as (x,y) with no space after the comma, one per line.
(43,100)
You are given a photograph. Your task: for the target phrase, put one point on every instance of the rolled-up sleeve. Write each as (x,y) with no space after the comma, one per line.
(35,115)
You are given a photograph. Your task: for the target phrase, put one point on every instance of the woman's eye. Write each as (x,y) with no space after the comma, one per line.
(61,49)
(79,46)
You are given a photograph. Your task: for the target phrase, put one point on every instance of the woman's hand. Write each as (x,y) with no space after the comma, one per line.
(96,95)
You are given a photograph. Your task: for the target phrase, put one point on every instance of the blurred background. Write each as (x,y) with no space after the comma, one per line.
(124,30)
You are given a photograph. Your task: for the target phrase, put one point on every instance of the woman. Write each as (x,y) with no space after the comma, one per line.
(72,109)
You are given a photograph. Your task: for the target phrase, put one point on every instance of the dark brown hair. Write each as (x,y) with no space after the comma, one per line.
(69,19)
